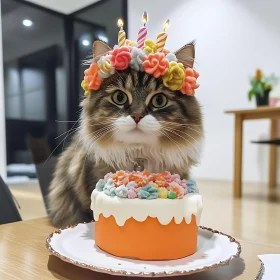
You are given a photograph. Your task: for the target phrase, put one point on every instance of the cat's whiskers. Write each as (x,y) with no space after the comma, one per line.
(100,123)
(92,142)
(109,119)
(171,129)
(172,140)
(168,137)
(179,124)
(71,132)
(97,132)
(59,144)
(64,121)
(170,124)
(198,132)
(74,130)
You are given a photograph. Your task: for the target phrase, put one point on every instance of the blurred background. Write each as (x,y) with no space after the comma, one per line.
(45,41)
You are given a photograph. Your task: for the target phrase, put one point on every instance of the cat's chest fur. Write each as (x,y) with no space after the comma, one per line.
(127,157)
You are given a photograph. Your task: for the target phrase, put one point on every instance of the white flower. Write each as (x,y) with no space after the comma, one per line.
(171,57)
(137,56)
(106,68)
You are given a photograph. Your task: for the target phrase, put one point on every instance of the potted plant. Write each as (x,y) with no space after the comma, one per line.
(261,87)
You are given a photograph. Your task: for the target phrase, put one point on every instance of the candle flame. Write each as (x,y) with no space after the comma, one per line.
(120,22)
(166,25)
(145,17)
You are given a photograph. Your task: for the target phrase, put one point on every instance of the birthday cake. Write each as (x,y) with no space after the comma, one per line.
(146,216)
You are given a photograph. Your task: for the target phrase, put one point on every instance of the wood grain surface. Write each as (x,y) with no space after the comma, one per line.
(252,220)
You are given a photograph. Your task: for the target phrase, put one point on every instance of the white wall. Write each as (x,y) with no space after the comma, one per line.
(2,111)
(234,37)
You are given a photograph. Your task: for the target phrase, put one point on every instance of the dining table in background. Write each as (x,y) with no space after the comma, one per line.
(262,112)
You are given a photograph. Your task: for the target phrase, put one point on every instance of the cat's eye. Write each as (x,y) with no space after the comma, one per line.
(119,98)
(159,101)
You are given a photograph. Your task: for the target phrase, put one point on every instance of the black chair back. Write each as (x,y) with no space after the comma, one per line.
(8,210)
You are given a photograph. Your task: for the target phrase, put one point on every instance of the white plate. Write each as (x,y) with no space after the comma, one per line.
(76,245)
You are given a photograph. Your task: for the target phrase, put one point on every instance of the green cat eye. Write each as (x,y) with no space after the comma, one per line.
(159,101)
(119,98)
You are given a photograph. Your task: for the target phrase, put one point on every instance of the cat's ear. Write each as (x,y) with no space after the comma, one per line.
(186,54)
(99,48)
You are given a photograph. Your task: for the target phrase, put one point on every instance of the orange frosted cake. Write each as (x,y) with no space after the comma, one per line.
(146,216)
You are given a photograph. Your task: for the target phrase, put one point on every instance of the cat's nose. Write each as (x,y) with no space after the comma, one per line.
(137,117)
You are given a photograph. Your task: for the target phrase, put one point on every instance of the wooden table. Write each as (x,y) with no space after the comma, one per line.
(264,112)
(23,256)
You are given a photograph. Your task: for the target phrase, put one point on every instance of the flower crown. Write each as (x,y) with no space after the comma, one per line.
(175,69)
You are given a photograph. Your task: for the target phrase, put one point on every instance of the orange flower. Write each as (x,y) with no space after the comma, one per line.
(162,184)
(155,64)
(175,187)
(120,178)
(121,57)
(146,173)
(159,180)
(92,77)
(139,179)
(189,83)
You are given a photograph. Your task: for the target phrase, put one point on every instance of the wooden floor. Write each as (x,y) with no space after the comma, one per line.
(255,217)
(30,200)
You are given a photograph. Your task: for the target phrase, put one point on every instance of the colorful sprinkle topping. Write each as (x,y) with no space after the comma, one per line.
(146,185)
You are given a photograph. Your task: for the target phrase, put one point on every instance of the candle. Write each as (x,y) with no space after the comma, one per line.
(143,31)
(121,34)
(161,38)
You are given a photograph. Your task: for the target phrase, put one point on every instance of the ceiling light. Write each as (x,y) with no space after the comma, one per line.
(103,38)
(85,42)
(27,22)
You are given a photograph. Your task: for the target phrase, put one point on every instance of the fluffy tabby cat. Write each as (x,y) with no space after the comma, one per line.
(131,116)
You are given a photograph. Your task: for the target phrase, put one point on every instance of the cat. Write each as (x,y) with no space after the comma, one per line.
(131,116)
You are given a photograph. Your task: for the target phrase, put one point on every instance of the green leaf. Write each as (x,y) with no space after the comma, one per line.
(251,93)
(260,89)
(254,82)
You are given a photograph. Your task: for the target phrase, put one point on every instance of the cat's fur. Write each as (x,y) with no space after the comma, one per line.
(109,139)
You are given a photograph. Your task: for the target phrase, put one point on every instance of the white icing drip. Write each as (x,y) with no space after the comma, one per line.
(139,209)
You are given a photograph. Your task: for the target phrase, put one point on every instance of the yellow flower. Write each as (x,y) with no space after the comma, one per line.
(106,68)
(175,75)
(84,85)
(150,46)
(130,43)
(258,74)
(162,193)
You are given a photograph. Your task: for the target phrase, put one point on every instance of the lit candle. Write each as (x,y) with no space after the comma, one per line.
(161,38)
(121,34)
(142,31)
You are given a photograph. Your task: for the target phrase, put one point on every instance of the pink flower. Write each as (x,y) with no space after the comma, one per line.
(189,83)
(121,57)
(132,193)
(108,176)
(155,64)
